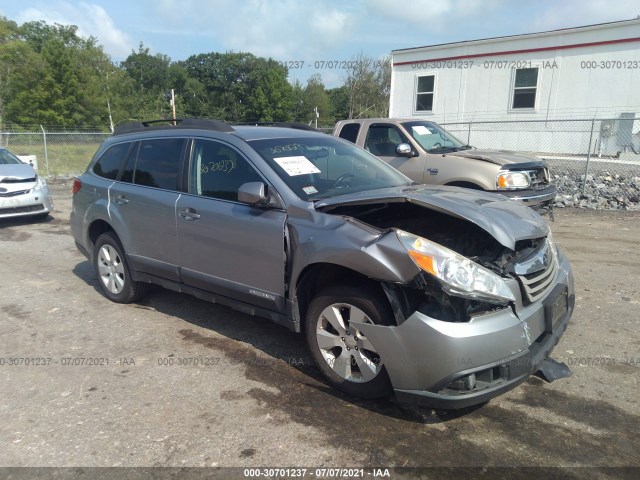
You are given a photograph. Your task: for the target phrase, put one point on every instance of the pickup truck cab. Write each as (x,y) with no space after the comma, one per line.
(428,154)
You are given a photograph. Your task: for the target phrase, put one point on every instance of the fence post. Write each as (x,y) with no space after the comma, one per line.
(469,134)
(586,168)
(46,153)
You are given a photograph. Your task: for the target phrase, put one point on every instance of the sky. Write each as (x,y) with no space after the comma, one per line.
(309,31)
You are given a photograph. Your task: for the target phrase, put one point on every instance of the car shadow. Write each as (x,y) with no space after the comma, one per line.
(26,220)
(271,353)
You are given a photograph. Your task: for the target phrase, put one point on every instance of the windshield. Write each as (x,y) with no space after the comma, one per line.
(319,167)
(7,158)
(433,138)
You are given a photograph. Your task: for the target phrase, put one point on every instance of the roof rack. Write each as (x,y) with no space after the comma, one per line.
(168,123)
(298,126)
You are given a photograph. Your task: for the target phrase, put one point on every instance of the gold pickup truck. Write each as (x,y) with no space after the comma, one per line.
(426,153)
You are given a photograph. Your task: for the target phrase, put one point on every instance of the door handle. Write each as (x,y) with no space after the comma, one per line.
(188,214)
(120,199)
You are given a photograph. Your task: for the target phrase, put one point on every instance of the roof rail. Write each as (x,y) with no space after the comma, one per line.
(298,126)
(168,123)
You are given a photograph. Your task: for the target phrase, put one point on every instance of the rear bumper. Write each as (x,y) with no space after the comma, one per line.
(428,360)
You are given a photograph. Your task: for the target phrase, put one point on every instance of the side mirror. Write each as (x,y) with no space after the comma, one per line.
(405,150)
(253,193)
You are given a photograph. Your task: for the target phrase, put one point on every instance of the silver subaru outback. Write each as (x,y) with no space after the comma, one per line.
(440,295)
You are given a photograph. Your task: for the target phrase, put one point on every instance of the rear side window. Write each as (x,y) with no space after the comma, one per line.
(158,163)
(350,132)
(111,161)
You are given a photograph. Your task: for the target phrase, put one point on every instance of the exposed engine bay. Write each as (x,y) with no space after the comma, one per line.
(425,293)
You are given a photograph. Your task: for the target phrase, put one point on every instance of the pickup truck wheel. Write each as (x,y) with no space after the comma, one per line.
(342,352)
(113,272)
(469,185)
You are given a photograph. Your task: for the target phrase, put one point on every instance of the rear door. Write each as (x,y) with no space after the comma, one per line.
(383,139)
(228,247)
(142,205)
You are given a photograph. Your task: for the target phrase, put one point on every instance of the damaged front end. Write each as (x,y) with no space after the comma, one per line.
(483,313)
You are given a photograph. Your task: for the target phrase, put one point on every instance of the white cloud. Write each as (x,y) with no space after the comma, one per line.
(91,20)
(282,29)
(330,24)
(574,13)
(430,14)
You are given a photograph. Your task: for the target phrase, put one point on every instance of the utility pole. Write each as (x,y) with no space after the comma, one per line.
(173,105)
(315,110)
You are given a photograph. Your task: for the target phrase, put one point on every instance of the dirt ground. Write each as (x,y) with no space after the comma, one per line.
(99,383)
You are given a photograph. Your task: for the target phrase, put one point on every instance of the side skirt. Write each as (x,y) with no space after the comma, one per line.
(243,307)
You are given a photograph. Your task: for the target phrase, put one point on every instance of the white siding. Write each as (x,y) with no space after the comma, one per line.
(566,89)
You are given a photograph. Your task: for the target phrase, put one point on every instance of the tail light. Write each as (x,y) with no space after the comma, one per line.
(77,185)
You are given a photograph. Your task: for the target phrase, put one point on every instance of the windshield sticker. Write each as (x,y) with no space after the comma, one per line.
(309,190)
(421,130)
(296,165)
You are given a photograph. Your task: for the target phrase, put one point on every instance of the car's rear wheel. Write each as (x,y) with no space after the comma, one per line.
(113,272)
(342,352)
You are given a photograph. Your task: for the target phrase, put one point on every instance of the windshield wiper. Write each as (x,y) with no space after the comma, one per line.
(450,149)
(443,150)
(464,147)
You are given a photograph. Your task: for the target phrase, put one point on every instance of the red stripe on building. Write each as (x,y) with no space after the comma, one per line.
(528,50)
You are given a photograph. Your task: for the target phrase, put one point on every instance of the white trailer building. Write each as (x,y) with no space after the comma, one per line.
(584,73)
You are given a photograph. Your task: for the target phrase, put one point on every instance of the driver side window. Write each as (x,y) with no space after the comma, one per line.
(218,171)
(382,140)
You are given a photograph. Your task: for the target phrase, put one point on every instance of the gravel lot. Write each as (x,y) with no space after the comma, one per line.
(258,401)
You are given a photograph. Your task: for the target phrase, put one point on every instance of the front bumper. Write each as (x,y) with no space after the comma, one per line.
(425,356)
(30,203)
(539,200)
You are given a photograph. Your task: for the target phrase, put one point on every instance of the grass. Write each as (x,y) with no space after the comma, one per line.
(67,155)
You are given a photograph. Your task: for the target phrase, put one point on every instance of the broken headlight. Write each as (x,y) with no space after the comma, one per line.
(41,184)
(459,275)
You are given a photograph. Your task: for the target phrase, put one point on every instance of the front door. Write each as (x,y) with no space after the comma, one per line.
(228,247)
(383,139)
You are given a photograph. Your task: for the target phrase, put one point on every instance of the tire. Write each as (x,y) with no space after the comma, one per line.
(469,185)
(343,354)
(113,272)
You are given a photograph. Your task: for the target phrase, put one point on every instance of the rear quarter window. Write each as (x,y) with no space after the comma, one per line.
(111,161)
(350,132)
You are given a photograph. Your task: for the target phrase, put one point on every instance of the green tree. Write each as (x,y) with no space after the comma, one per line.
(12,60)
(150,73)
(368,83)
(339,97)
(242,87)
(315,96)
(54,79)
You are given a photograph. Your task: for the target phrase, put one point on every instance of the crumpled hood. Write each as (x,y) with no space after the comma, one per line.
(499,157)
(506,220)
(18,172)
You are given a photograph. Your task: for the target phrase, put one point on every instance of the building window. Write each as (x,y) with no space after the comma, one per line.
(524,88)
(424,93)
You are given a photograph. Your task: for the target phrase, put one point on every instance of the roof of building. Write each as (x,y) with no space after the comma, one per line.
(531,34)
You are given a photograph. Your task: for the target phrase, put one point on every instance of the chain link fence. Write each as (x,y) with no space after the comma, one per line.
(594,163)
(54,153)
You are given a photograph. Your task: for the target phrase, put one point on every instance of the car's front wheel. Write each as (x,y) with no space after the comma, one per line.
(113,272)
(340,349)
